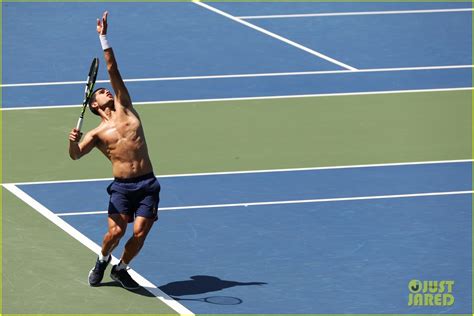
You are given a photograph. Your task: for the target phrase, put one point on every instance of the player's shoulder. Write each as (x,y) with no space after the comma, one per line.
(127,111)
(97,131)
(123,105)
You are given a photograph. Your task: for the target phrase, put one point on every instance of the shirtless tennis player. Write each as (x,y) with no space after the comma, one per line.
(134,194)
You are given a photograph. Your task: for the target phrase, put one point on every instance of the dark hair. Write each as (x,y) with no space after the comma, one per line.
(92,100)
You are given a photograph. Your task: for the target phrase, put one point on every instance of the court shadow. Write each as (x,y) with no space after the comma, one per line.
(201,284)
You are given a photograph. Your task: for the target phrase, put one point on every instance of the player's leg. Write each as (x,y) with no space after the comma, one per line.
(146,215)
(119,216)
(141,228)
(117,225)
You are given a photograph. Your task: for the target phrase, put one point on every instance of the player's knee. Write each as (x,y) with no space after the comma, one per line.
(140,235)
(117,232)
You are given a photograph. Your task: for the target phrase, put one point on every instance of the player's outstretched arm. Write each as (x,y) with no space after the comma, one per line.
(121,92)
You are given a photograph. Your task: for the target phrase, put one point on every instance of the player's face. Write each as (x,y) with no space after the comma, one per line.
(103,97)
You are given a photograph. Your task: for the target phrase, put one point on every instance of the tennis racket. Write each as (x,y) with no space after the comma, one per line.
(88,90)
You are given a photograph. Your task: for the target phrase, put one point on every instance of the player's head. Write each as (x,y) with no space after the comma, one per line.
(100,99)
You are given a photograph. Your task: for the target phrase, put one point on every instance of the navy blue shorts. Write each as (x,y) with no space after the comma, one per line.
(135,196)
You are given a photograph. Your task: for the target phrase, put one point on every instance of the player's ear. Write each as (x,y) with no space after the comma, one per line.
(94,107)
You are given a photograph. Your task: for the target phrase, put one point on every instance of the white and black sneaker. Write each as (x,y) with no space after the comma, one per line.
(122,277)
(97,272)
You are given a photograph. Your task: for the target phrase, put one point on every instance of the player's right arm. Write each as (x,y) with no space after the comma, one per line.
(76,149)
(121,92)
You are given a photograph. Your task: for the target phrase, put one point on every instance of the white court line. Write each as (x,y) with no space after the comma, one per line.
(254,75)
(280,16)
(276,36)
(393,164)
(95,248)
(325,200)
(82,213)
(274,97)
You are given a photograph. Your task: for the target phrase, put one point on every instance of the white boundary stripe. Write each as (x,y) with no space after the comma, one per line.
(325,200)
(357,198)
(52,83)
(82,213)
(255,75)
(393,164)
(95,248)
(276,36)
(279,16)
(250,98)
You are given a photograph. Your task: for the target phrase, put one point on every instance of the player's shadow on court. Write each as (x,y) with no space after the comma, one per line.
(201,284)
(198,284)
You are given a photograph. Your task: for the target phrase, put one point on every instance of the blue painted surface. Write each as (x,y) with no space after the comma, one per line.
(352,257)
(183,39)
(380,41)
(269,8)
(337,257)
(271,186)
(150,40)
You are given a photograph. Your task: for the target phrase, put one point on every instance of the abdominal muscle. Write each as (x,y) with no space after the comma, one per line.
(125,146)
(128,167)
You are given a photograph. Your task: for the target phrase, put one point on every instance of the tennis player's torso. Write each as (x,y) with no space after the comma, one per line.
(122,140)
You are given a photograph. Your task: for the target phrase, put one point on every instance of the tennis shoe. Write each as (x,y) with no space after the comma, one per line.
(122,277)
(97,272)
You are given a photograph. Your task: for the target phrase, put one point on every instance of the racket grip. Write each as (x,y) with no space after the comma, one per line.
(79,124)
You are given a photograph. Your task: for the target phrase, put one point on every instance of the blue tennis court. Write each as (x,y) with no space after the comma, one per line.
(329,240)
(193,41)
(343,239)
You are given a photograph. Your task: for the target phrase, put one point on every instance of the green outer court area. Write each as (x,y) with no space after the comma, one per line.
(248,135)
(45,270)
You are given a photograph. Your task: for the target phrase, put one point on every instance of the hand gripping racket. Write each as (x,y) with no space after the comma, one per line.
(88,90)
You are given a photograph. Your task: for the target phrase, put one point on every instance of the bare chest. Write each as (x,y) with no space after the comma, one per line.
(125,129)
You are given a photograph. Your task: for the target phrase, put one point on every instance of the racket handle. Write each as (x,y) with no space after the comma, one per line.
(79,124)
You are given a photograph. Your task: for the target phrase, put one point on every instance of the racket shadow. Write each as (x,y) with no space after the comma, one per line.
(216,300)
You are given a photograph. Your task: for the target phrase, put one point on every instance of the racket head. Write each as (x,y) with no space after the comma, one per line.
(93,73)
(89,88)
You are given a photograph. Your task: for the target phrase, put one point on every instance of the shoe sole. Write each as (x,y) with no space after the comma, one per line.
(117,280)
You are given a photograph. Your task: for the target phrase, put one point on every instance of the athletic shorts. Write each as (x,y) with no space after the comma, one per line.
(135,197)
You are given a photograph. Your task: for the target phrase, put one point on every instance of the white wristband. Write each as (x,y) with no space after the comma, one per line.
(103,42)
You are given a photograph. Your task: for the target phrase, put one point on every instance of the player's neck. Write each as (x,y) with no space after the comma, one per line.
(106,113)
